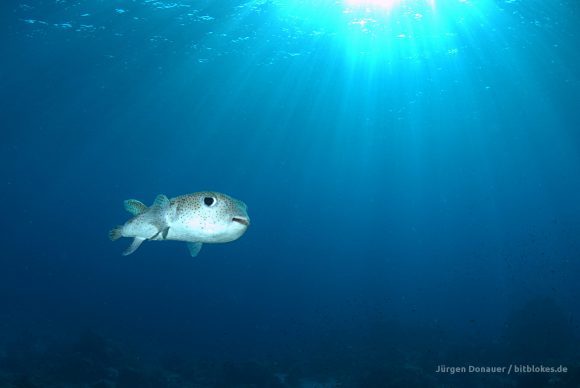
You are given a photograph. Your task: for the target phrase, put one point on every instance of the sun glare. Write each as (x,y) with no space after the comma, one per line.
(370,4)
(384,5)
(388,28)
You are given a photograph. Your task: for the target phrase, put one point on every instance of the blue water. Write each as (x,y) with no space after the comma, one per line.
(411,169)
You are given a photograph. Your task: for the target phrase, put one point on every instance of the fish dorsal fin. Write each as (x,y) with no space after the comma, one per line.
(194,248)
(161,201)
(135,207)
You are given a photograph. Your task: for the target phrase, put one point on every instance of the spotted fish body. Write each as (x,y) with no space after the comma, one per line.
(203,217)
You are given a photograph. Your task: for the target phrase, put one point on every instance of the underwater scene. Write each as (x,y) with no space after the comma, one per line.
(289,193)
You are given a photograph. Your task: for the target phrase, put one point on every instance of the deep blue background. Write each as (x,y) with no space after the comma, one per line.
(441,191)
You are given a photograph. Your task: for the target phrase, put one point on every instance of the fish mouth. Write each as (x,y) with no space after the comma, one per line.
(241,220)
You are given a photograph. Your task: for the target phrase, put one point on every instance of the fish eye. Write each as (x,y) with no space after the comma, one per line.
(209,201)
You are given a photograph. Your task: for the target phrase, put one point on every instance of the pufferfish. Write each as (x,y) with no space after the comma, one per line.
(198,218)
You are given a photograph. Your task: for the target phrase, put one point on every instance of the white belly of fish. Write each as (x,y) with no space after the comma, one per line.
(204,234)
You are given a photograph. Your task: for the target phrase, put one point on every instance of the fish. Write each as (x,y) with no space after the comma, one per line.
(198,218)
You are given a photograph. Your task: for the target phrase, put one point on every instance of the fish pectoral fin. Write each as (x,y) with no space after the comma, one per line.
(194,248)
(161,202)
(135,207)
(134,245)
(157,213)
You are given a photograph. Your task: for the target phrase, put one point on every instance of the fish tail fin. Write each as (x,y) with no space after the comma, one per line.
(116,233)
